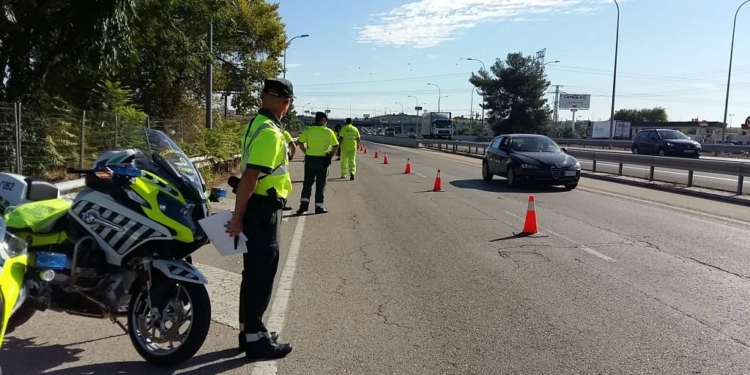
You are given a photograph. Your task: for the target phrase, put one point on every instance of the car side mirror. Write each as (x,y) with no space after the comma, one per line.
(565,150)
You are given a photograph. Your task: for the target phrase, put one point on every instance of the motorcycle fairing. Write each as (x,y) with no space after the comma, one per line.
(11,280)
(166,205)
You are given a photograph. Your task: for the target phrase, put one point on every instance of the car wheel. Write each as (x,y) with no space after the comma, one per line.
(486,175)
(511,177)
(662,152)
(635,150)
(571,186)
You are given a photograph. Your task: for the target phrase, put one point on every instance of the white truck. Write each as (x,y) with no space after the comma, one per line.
(600,130)
(436,125)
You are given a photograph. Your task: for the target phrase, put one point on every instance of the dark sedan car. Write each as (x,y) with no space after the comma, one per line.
(530,158)
(665,142)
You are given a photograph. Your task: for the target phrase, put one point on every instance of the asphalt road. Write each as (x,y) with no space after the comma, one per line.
(700,179)
(400,279)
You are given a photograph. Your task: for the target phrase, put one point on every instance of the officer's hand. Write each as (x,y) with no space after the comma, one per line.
(234,226)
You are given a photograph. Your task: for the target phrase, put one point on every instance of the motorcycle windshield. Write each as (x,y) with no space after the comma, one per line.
(10,245)
(150,142)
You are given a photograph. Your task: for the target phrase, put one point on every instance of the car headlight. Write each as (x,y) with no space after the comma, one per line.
(670,144)
(529,166)
(576,166)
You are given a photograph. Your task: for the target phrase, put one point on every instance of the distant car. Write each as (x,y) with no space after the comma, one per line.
(530,158)
(665,142)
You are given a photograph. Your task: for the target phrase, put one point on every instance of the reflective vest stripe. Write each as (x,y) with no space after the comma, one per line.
(281,169)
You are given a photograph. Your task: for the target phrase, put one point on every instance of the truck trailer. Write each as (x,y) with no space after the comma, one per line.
(436,125)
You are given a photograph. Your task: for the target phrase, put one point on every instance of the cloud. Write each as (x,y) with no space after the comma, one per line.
(427,23)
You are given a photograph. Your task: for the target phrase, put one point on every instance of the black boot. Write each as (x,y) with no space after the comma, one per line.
(351,178)
(266,349)
(242,342)
(320,210)
(303,207)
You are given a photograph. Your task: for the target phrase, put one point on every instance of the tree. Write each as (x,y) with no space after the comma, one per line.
(515,95)
(656,114)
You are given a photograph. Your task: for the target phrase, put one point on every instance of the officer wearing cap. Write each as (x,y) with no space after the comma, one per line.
(261,193)
(319,143)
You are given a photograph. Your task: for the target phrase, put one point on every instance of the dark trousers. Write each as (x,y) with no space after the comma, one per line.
(316,170)
(262,226)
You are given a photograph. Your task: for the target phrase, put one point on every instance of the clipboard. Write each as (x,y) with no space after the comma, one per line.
(214,227)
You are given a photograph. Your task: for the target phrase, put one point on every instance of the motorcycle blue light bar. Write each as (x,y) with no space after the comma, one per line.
(51,261)
(127,171)
(218,192)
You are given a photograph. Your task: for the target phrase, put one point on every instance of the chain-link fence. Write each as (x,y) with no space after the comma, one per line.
(43,145)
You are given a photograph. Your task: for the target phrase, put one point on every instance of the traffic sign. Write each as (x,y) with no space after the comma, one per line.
(746,125)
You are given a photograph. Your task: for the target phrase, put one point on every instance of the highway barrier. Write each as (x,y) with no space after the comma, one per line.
(739,169)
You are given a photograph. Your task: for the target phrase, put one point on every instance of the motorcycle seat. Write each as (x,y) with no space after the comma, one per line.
(38,217)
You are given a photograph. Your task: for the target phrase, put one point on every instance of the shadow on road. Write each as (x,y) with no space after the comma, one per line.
(499,186)
(32,358)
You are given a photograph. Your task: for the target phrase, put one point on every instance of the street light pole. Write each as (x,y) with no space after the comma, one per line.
(287,46)
(484,102)
(614,78)
(729,75)
(210,75)
(439,97)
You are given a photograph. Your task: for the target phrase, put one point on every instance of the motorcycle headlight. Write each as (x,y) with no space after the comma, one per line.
(529,166)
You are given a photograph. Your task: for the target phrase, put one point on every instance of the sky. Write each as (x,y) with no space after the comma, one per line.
(372,57)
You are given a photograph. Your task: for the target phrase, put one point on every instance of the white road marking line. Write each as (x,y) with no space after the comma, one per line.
(418,174)
(281,299)
(578,244)
(684,212)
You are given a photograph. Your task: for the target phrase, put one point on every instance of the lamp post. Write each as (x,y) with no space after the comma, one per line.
(287,46)
(402,106)
(729,75)
(484,102)
(432,84)
(614,78)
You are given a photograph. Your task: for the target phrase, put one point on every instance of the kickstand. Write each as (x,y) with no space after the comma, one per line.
(116,321)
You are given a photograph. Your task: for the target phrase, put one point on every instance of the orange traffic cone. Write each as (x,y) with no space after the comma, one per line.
(408,167)
(438,183)
(376,153)
(385,158)
(365,150)
(530,226)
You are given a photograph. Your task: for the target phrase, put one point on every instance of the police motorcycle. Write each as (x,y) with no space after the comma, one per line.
(119,248)
(13,260)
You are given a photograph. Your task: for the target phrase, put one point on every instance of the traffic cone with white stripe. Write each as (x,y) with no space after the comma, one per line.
(365,150)
(408,167)
(530,225)
(385,158)
(376,153)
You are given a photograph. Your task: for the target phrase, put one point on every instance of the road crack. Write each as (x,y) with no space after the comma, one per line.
(381,313)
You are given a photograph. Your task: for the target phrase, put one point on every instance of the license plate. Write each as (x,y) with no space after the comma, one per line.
(689,151)
(570,173)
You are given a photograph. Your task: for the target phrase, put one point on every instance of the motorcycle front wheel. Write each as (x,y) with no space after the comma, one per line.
(175,328)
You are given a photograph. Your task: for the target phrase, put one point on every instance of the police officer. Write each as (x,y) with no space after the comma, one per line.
(349,138)
(292,151)
(261,194)
(319,143)
(337,130)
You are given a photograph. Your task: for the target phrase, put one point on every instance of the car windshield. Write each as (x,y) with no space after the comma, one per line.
(533,144)
(10,245)
(150,142)
(442,124)
(672,134)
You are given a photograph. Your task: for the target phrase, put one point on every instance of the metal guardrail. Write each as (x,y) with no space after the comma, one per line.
(739,169)
(66,187)
(719,148)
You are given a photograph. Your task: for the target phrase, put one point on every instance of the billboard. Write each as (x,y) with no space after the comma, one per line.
(575,101)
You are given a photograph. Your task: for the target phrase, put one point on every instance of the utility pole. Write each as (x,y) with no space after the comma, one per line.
(209,75)
(557,102)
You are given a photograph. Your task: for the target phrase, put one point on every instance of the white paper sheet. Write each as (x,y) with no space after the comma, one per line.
(215,229)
